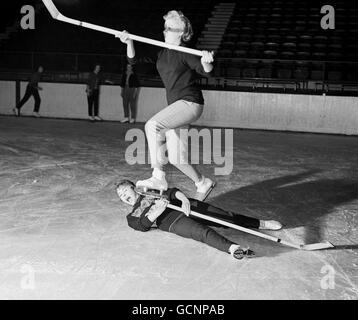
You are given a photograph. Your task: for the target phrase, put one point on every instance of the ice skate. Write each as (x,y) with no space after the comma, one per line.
(16,112)
(152,185)
(204,187)
(270,225)
(239,253)
(151,193)
(243,253)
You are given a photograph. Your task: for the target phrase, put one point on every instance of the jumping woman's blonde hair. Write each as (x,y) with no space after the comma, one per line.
(182,22)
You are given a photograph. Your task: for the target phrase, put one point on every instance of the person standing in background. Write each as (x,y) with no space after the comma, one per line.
(32,89)
(129,92)
(92,90)
(94,82)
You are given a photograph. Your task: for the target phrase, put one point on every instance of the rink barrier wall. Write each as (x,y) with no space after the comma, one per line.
(251,110)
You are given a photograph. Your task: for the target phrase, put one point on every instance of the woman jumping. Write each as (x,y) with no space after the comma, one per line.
(178,72)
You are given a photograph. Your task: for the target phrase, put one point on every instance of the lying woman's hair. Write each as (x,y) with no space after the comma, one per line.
(124,183)
(183,23)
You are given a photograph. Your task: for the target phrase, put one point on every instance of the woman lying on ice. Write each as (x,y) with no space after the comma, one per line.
(148,212)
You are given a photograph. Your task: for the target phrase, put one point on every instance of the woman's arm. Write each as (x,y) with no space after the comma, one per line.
(203,65)
(206,60)
(140,224)
(185,203)
(175,194)
(123,36)
(157,209)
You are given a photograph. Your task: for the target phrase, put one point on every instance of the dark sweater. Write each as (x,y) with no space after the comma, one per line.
(179,71)
(133,81)
(137,217)
(94,81)
(34,80)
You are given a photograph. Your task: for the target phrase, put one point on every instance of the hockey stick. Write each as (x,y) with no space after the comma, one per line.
(308,247)
(58,16)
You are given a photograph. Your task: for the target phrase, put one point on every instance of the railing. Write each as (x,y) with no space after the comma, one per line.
(322,75)
(64,61)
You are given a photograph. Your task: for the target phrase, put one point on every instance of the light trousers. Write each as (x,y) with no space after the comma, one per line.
(163,133)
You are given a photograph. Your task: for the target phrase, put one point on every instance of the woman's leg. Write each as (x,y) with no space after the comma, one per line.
(126,102)
(96,103)
(192,229)
(37,98)
(215,212)
(177,145)
(90,104)
(232,217)
(133,102)
(178,114)
(26,97)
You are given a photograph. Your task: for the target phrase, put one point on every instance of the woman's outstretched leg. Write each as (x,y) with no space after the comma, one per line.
(235,218)
(192,229)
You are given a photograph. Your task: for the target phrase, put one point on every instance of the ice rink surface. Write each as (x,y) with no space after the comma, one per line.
(63,232)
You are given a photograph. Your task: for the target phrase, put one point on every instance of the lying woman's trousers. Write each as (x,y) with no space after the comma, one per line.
(200,229)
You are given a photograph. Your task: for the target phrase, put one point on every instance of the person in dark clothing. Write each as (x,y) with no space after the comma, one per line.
(94,82)
(147,213)
(129,92)
(92,90)
(179,72)
(32,89)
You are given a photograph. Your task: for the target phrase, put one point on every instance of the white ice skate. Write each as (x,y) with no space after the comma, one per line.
(240,253)
(152,184)
(270,225)
(204,187)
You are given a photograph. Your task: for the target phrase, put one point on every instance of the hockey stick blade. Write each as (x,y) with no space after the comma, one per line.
(317,246)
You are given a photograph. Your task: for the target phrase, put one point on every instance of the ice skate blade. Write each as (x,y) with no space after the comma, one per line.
(202,196)
(317,246)
(150,192)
